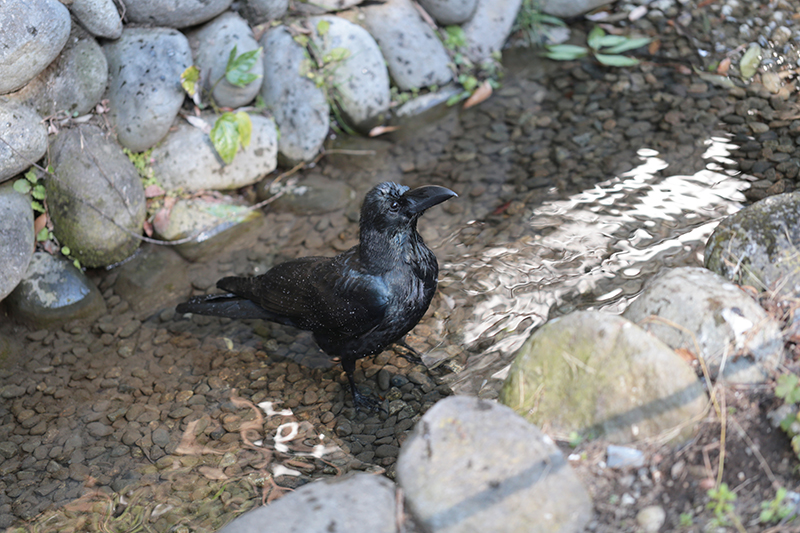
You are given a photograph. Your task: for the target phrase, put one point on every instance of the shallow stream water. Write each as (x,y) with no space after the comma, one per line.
(573,191)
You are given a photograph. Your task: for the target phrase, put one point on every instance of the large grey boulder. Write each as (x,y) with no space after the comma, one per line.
(475,465)
(174,13)
(16,237)
(758,246)
(144,88)
(300,107)
(21,128)
(54,292)
(212,44)
(489,27)
(33,34)
(692,308)
(187,159)
(449,12)
(74,82)
(360,82)
(361,503)
(414,54)
(598,374)
(93,174)
(99,17)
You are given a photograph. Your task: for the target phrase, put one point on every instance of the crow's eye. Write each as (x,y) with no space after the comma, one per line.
(395,206)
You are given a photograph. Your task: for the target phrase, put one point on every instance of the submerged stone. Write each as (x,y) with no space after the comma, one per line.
(54,292)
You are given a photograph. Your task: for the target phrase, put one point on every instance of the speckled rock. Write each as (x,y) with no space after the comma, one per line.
(300,107)
(487,30)
(260,11)
(474,465)
(175,13)
(361,503)
(757,245)
(448,12)
(187,158)
(74,82)
(601,375)
(54,292)
(699,309)
(21,128)
(361,79)
(212,44)
(16,237)
(34,32)
(414,54)
(144,89)
(99,17)
(90,168)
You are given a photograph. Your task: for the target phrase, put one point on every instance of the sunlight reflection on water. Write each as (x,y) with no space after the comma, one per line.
(594,249)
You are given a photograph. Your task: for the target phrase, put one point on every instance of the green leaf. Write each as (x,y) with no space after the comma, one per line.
(225,136)
(456,98)
(65,250)
(750,61)
(468,82)
(787,421)
(22,186)
(610,40)
(594,37)
(322,27)
(237,72)
(786,384)
(31,175)
(245,127)
(189,79)
(39,192)
(570,51)
(302,40)
(77,264)
(549,19)
(337,54)
(37,206)
(616,61)
(628,44)
(43,235)
(455,37)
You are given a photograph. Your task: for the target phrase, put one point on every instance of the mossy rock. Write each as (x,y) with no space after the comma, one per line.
(597,374)
(758,245)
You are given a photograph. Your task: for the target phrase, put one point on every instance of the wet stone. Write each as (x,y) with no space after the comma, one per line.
(98,429)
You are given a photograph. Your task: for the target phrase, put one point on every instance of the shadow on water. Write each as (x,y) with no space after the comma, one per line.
(594,249)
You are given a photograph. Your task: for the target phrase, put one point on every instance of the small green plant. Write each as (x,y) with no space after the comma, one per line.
(686,520)
(231,130)
(788,389)
(721,504)
(141,161)
(605,48)
(776,510)
(30,184)
(534,26)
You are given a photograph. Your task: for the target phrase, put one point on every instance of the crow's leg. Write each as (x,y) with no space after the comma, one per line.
(359,400)
(414,357)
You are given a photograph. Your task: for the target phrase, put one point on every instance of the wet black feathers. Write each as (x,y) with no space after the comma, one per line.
(358,302)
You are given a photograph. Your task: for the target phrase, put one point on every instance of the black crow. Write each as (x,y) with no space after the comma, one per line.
(358,302)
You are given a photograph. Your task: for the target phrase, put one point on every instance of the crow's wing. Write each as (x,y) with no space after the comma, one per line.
(322,294)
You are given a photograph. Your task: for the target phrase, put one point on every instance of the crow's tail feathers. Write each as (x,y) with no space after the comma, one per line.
(226,305)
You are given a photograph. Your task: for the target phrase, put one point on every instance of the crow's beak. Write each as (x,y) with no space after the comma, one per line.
(422,198)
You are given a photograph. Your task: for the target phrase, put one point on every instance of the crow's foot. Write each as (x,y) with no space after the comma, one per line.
(411,355)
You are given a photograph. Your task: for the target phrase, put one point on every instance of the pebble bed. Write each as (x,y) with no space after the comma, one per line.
(153,419)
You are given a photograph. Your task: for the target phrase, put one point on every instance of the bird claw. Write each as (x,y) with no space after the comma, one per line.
(411,355)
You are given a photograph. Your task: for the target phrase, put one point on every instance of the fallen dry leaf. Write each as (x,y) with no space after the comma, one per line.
(212,473)
(654,46)
(380,130)
(483,92)
(724,65)
(153,191)
(39,223)
(686,355)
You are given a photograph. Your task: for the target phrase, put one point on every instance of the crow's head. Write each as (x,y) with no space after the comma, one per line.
(391,208)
